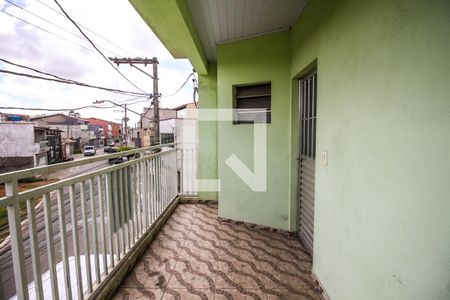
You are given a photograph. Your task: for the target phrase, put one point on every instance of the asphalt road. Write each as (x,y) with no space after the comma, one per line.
(7,273)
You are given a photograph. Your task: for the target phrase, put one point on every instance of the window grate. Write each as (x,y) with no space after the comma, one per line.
(252,104)
(308,113)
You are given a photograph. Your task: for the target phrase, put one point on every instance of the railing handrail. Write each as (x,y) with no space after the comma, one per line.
(22,196)
(20,174)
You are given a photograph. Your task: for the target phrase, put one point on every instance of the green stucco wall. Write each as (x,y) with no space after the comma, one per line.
(382,211)
(257,60)
(207,130)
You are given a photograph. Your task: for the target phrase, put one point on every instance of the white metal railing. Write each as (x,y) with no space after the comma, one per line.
(75,231)
(187,162)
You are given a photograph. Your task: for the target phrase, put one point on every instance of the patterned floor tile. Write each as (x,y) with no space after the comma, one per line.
(243,294)
(239,273)
(187,294)
(286,295)
(194,274)
(198,256)
(150,273)
(138,294)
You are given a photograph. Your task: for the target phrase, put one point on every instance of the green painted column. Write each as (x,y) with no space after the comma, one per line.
(207,130)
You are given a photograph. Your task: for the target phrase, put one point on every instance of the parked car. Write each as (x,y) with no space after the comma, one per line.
(89,150)
(117,160)
(110,149)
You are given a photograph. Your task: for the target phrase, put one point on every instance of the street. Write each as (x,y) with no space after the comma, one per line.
(6,267)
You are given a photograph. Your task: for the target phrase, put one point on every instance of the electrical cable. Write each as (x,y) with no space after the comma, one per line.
(69,81)
(51,23)
(179,89)
(45,30)
(34,70)
(142,71)
(56,109)
(95,47)
(85,27)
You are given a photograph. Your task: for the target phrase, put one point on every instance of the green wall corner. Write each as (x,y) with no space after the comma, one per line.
(261,59)
(208,131)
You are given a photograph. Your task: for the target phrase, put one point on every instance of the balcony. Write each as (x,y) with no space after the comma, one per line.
(127,231)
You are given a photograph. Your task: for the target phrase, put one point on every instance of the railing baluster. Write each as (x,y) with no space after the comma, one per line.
(123,224)
(15,230)
(101,198)
(128,205)
(63,241)
(175,175)
(108,181)
(155,188)
(116,214)
(183,169)
(94,230)
(150,190)
(190,171)
(150,216)
(76,247)
(132,202)
(138,200)
(87,252)
(161,182)
(164,186)
(50,245)
(144,196)
(35,255)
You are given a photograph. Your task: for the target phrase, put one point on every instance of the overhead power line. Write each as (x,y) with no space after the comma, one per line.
(179,89)
(56,109)
(73,82)
(85,27)
(53,24)
(47,31)
(64,80)
(95,47)
(34,70)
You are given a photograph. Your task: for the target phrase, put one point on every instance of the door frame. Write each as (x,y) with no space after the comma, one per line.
(296,140)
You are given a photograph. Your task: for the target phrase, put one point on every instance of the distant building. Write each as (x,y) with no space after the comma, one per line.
(5,117)
(166,126)
(78,130)
(25,145)
(110,132)
(186,111)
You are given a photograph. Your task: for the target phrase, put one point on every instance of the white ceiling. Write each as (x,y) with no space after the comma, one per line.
(219,21)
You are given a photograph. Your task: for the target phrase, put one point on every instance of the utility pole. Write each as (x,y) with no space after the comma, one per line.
(156,96)
(156,140)
(126,126)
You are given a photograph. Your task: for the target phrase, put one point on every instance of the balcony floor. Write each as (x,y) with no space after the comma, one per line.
(196,256)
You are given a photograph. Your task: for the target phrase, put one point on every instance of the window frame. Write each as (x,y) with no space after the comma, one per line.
(236,98)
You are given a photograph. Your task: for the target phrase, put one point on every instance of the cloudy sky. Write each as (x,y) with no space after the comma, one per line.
(116,21)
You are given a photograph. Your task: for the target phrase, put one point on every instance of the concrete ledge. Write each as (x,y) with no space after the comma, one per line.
(196,200)
(113,280)
(287,234)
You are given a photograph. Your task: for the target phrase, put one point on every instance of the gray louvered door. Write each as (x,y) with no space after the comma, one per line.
(307,159)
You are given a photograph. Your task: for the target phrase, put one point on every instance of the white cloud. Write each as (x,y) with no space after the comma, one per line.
(116,21)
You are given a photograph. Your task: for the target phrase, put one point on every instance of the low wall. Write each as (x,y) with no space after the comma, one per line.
(9,164)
